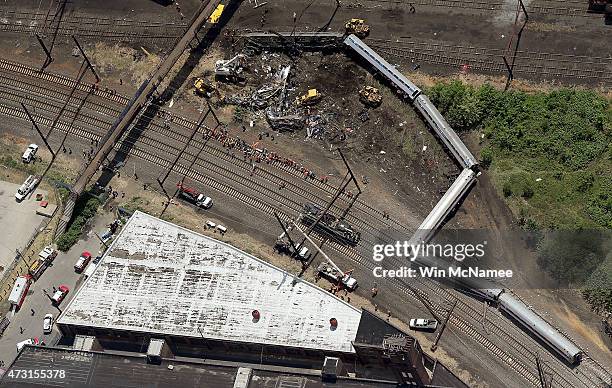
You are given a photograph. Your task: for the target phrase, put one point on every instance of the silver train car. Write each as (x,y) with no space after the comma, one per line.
(398,79)
(444,207)
(540,328)
(444,131)
(507,303)
(527,318)
(421,102)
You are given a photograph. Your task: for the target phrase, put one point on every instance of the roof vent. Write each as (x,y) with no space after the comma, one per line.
(256,315)
(333,323)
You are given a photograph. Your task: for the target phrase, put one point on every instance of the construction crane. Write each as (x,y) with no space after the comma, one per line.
(299,251)
(330,270)
(231,68)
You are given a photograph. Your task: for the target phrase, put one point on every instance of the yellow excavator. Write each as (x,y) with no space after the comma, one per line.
(357,27)
(310,98)
(204,88)
(370,96)
(216,15)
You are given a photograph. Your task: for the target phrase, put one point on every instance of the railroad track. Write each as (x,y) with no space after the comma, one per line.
(573,9)
(145,149)
(104,94)
(139,150)
(82,25)
(530,64)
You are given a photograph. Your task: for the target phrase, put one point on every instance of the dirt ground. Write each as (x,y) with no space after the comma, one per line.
(403,162)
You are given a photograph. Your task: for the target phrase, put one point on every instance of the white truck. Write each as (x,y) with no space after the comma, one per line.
(423,324)
(27,187)
(29,153)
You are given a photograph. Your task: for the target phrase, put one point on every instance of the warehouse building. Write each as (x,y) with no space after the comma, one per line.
(171,293)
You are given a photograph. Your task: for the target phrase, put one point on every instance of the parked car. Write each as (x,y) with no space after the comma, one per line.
(29,341)
(26,187)
(29,153)
(59,295)
(48,323)
(423,324)
(82,262)
(98,258)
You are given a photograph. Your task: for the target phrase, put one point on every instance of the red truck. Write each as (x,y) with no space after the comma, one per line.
(195,197)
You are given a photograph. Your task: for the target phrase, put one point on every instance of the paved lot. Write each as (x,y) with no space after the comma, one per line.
(17,220)
(61,272)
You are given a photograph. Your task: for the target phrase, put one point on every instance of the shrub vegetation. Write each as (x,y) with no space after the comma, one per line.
(86,207)
(550,156)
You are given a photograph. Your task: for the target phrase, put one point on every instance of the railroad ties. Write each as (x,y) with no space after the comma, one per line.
(142,97)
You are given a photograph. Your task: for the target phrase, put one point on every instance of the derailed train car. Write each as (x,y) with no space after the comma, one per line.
(518,311)
(521,313)
(329,225)
(445,206)
(445,132)
(421,102)
(508,303)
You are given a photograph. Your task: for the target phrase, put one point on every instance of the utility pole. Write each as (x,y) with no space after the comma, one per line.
(484,316)
(102,241)
(515,35)
(434,346)
(542,375)
(49,58)
(350,171)
(195,130)
(86,59)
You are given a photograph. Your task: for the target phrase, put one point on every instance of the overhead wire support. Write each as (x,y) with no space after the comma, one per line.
(49,58)
(178,157)
(434,346)
(86,59)
(510,66)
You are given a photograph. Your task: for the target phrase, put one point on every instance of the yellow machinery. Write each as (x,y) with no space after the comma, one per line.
(357,27)
(216,15)
(371,96)
(310,98)
(203,87)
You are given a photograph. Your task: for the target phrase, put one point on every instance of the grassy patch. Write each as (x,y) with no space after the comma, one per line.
(136,203)
(550,157)
(550,154)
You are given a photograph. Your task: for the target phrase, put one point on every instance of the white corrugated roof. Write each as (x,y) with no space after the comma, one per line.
(158,277)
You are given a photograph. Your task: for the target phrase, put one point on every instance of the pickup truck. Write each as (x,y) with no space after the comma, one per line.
(423,324)
(29,153)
